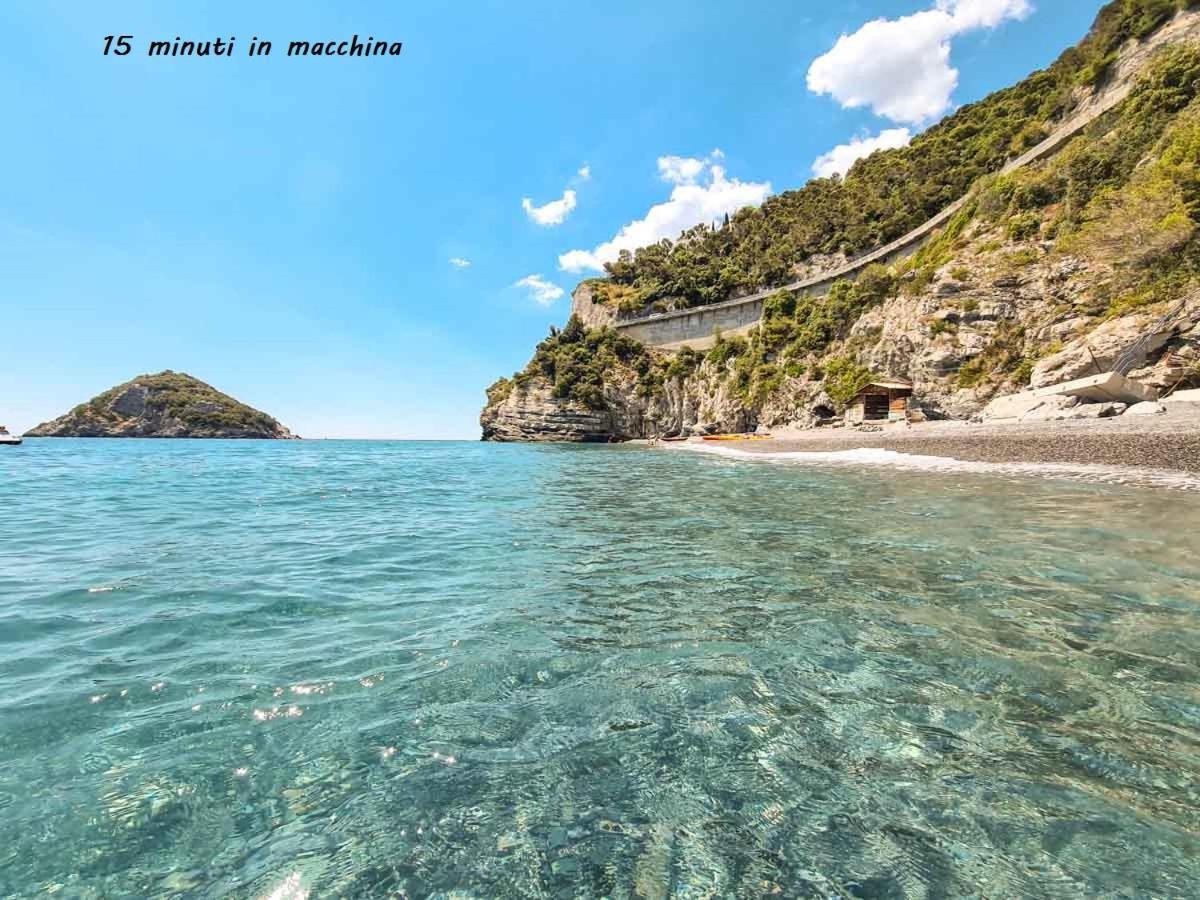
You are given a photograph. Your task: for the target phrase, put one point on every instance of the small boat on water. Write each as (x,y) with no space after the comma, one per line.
(737,437)
(6,438)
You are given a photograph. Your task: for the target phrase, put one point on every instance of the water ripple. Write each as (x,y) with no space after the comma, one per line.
(282,670)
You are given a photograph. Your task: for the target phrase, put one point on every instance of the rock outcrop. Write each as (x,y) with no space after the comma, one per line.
(166,405)
(590,312)
(701,403)
(536,415)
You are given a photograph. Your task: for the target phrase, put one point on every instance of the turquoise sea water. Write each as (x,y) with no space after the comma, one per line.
(361,669)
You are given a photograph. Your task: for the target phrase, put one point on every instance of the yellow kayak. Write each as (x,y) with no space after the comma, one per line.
(737,437)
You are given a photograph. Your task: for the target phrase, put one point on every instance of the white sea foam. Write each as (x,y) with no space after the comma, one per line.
(291,888)
(877,456)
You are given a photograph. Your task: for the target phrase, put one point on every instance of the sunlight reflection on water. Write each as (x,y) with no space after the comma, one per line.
(371,669)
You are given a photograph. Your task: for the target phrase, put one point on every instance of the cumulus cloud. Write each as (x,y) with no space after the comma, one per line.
(839,160)
(585,172)
(701,192)
(900,68)
(680,169)
(553,213)
(541,291)
(459,263)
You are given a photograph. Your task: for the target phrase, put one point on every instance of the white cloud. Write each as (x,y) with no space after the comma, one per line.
(585,172)
(541,291)
(553,213)
(680,169)
(970,14)
(900,68)
(702,193)
(839,160)
(459,263)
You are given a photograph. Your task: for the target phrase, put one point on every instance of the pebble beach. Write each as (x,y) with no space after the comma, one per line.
(1169,441)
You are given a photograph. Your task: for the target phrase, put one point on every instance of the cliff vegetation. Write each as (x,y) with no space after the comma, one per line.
(883,195)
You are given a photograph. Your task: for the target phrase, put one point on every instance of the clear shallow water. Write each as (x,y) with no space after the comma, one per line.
(388,669)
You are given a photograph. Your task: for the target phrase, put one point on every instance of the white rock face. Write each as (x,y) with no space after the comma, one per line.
(1149,408)
(1028,407)
(590,313)
(1105,410)
(1096,351)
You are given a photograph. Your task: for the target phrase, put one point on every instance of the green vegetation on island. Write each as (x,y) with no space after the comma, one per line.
(169,404)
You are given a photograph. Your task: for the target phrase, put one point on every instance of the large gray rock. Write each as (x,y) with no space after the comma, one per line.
(1105,410)
(1019,407)
(131,401)
(689,405)
(1050,409)
(1029,407)
(1096,352)
(1148,408)
(591,313)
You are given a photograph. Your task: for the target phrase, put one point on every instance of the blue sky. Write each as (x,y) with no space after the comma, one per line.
(284,228)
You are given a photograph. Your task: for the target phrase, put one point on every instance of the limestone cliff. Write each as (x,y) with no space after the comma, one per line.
(166,405)
(699,402)
(1043,274)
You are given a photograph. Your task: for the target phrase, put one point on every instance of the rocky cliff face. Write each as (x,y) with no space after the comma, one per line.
(1048,273)
(166,405)
(984,326)
(701,403)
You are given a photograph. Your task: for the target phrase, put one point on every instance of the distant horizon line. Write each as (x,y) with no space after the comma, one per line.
(300,438)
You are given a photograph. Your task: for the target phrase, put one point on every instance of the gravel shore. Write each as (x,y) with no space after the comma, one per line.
(1169,442)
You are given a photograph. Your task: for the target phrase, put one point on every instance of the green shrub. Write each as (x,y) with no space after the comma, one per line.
(1018,259)
(683,363)
(1003,356)
(500,390)
(1039,191)
(1023,227)
(726,349)
(844,377)
(577,360)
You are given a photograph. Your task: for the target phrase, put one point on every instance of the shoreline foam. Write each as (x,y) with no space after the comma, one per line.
(1091,473)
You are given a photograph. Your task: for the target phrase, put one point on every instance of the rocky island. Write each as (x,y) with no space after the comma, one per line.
(166,405)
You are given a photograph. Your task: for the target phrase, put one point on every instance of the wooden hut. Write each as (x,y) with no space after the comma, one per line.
(885,399)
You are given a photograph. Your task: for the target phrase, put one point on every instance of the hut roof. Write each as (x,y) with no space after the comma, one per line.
(895,384)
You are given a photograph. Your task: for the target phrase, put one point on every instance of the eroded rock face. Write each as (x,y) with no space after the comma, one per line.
(1095,352)
(131,401)
(699,404)
(590,313)
(534,414)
